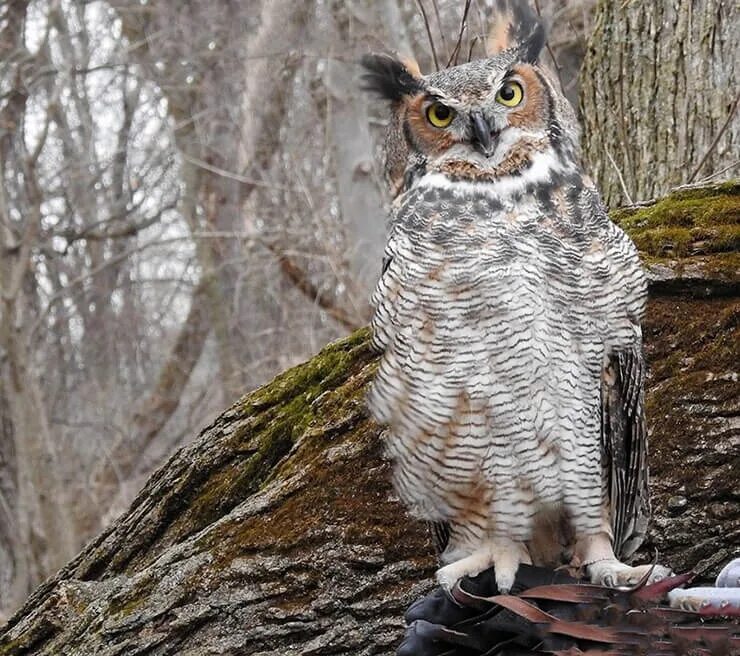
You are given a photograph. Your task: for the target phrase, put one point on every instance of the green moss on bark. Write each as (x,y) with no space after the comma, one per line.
(278,415)
(692,221)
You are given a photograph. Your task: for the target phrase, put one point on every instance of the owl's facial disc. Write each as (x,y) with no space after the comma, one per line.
(485,130)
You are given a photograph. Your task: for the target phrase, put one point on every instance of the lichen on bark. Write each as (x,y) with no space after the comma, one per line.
(277,530)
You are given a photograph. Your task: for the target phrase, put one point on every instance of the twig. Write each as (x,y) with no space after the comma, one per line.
(702,184)
(619,174)
(429,34)
(716,174)
(300,279)
(473,43)
(435,4)
(706,182)
(232,176)
(463,25)
(722,130)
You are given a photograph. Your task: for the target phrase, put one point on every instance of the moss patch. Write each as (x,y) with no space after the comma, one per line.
(693,349)
(691,335)
(270,422)
(693,221)
(347,489)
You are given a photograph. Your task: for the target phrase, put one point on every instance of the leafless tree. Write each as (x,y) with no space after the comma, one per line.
(189,204)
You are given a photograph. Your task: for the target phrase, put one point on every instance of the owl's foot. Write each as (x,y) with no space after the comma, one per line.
(614,574)
(504,554)
(596,553)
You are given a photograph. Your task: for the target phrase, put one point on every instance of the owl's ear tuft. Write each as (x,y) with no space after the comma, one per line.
(389,77)
(516,27)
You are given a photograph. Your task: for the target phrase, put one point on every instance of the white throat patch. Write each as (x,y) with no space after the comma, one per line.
(544,166)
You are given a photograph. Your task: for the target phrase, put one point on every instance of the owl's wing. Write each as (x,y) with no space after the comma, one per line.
(389,285)
(624,449)
(440,536)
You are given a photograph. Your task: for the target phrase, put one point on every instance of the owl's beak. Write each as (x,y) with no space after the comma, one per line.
(482,140)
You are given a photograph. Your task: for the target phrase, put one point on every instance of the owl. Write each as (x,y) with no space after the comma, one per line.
(508,316)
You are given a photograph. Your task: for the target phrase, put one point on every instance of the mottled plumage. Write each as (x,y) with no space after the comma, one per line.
(508,313)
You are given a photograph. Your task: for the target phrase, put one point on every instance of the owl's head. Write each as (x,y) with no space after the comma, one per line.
(483,120)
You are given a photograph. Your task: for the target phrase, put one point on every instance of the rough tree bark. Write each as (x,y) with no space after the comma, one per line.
(660,93)
(277,531)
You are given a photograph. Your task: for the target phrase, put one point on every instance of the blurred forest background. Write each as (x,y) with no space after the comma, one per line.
(190,202)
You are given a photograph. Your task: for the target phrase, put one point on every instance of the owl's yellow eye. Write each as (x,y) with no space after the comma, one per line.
(510,95)
(439,115)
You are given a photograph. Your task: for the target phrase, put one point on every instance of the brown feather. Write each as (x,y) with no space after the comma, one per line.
(499,38)
(515,26)
(518,160)
(412,66)
(534,110)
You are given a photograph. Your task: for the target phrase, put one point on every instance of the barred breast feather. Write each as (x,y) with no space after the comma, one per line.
(498,315)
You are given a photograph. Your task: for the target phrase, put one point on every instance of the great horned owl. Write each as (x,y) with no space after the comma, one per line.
(508,314)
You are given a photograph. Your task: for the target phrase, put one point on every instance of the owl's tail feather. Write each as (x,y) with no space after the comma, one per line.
(550,613)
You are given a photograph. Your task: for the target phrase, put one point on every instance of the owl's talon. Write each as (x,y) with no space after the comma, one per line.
(504,554)
(505,582)
(505,588)
(448,577)
(614,574)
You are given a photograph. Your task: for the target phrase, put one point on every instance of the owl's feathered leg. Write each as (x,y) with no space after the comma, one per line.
(596,554)
(504,554)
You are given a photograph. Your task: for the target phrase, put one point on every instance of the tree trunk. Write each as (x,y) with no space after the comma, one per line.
(352,147)
(659,94)
(14,574)
(277,530)
(39,535)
